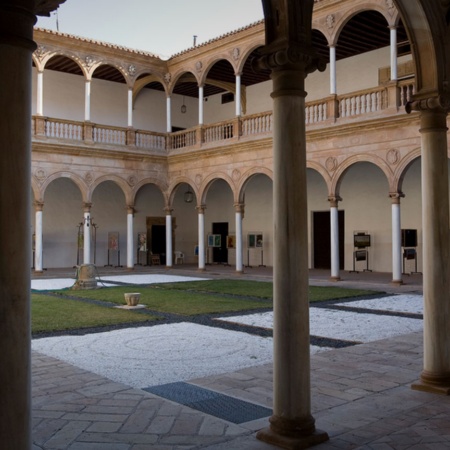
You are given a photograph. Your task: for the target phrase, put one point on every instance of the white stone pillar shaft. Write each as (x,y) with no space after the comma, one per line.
(38,264)
(238,96)
(393,33)
(87,101)
(334,228)
(239,241)
(201,239)
(200,105)
(130,107)
(169,114)
(40,94)
(169,249)
(396,243)
(130,240)
(87,237)
(333,88)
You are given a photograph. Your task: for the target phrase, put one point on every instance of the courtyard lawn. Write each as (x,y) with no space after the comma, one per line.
(207,297)
(50,314)
(174,301)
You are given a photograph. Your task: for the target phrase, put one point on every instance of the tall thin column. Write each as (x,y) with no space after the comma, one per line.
(393,33)
(288,54)
(334,237)
(169,247)
(130,240)
(435,376)
(200,105)
(168,114)
(201,237)
(238,95)
(239,208)
(87,101)
(87,233)
(130,107)
(396,238)
(40,94)
(333,88)
(16,47)
(38,264)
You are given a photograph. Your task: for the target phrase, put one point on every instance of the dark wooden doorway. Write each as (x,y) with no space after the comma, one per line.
(220,254)
(322,239)
(156,236)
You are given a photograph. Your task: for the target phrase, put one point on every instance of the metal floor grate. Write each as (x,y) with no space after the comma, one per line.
(210,402)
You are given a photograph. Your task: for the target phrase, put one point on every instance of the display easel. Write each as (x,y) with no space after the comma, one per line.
(408,255)
(142,250)
(113,247)
(361,242)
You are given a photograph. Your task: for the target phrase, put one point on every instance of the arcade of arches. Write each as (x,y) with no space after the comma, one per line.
(125,144)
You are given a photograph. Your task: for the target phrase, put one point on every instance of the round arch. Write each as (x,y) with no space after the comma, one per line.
(343,168)
(322,172)
(172,189)
(123,185)
(78,181)
(146,181)
(208,181)
(246,178)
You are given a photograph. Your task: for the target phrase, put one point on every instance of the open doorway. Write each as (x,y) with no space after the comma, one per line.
(322,239)
(220,254)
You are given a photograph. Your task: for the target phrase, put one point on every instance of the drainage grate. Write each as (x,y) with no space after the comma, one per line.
(210,402)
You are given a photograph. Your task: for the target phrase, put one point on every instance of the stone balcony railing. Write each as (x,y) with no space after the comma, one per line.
(331,110)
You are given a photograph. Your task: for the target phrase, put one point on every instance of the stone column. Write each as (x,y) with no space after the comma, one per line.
(130,107)
(238,95)
(200,105)
(334,237)
(87,101)
(396,238)
(435,376)
(87,233)
(169,249)
(239,208)
(333,89)
(393,31)
(201,237)
(16,47)
(40,94)
(290,57)
(169,114)
(130,240)
(38,264)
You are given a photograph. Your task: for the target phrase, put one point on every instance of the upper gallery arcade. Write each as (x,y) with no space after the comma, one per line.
(125,143)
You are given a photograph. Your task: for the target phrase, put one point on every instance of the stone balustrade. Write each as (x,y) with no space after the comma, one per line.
(388,99)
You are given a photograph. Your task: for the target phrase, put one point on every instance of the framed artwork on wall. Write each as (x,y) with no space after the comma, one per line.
(113,240)
(214,240)
(142,241)
(231,241)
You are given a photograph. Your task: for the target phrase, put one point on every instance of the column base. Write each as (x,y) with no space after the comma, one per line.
(38,272)
(239,272)
(335,278)
(292,443)
(397,282)
(433,383)
(130,269)
(203,269)
(292,434)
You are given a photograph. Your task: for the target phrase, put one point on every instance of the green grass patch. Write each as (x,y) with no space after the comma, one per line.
(175,301)
(56,314)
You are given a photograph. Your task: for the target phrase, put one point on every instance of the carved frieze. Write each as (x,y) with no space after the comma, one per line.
(236,174)
(89,178)
(198,66)
(198,179)
(132,180)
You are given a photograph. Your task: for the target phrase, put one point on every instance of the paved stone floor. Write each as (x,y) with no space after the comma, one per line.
(361,397)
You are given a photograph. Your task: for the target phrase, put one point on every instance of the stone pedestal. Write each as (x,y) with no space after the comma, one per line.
(85,277)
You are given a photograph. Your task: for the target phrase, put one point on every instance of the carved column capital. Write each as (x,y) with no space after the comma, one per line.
(239,207)
(38,206)
(87,207)
(201,209)
(130,209)
(395,197)
(334,200)
(168,210)
(439,103)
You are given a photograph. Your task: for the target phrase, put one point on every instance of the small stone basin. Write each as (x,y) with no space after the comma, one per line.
(132,298)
